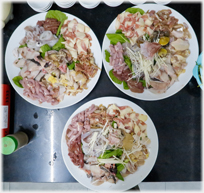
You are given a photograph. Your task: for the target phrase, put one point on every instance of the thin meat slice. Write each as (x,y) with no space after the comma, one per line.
(148,49)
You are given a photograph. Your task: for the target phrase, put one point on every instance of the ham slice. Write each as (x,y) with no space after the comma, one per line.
(148,49)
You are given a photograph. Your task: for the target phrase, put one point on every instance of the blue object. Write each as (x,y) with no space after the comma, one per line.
(195,70)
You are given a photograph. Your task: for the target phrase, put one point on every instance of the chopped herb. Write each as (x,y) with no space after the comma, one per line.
(120,167)
(72,65)
(59,44)
(117,37)
(140,138)
(110,153)
(113,124)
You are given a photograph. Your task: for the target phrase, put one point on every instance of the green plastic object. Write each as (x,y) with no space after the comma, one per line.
(8,145)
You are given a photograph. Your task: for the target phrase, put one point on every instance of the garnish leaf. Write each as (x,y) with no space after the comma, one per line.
(110,153)
(44,49)
(128,62)
(119,176)
(113,78)
(72,65)
(135,10)
(115,38)
(107,56)
(16,80)
(143,83)
(57,15)
(59,44)
(24,45)
(125,85)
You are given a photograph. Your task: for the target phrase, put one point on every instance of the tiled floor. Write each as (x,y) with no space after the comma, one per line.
(144,186)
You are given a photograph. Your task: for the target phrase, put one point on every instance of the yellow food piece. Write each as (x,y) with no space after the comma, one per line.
(164,40)
(52,79)
(180,72)
(162,52)
(142,117)
(63,80)
(128,141)
(147,155)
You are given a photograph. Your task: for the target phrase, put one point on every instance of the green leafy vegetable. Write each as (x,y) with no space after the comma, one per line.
(110,153)
(114,79)
(113,124)
(57,15)
(44,49)
(59,44)
(118,31)
(128,62)
(143,83)
(107,54)
(120,167)
(134,10)
(125,85)
(24,45)
(118,37)
(71,66)
(119,176)
(16,81)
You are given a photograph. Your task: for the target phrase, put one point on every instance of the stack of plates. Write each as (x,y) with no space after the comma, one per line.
(113,3)
(89,4)
(163,2)
(137,2)
(65,4)
(40,6)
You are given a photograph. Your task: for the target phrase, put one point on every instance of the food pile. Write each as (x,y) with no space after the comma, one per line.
(148,50)
(108,143)
(55,59)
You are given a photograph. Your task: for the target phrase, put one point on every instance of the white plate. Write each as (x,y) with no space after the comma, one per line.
(183,78)
(129,181)
(13,71)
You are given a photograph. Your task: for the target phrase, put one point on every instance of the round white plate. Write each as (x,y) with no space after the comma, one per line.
(183,78)
(13,71)
(129,181)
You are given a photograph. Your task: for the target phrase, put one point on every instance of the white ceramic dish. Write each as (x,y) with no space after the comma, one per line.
(113,3)
(129,181)
(183,78)
(89,4)
(13,71)
(40,6)
(65,4)
(137,2)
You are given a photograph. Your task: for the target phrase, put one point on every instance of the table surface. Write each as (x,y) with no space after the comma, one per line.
(177,118)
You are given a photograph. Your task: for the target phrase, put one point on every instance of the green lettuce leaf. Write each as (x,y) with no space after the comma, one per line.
(57,15)
(117,37)
(113,78)
(59,44)
(134,10)
(107,54)
(44,49)
(16,81)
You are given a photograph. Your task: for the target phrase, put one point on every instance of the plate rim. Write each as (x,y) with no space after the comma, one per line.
(136,94)
(36,102)
(155,156)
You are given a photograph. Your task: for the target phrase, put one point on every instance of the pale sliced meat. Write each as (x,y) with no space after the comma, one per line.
(148,49)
